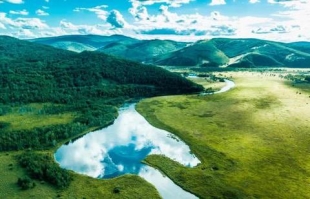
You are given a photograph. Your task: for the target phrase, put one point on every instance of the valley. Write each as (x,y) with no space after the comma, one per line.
(252,140)
(155,99)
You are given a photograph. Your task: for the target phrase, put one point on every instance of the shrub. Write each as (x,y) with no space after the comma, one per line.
(43,167)
(25,183)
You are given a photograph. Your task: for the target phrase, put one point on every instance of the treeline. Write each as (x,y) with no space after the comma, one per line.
(38,138)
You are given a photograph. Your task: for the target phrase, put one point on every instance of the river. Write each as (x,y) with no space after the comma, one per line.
(120,148)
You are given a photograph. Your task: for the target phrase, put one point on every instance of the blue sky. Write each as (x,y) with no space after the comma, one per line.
(281,20)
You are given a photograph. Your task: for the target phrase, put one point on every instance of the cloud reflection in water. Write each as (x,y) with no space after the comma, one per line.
(119,148)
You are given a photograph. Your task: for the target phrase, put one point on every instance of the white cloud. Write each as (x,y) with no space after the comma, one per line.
(217,2)
(29,23)
(19,12)
(116,19)
(254,1)
(67,25)
(15,1)
(24,33)
(45,7)
(171,3)
(70,28)
(139,12)
(2,26)
(98,10)
(22,23)
(41,12)
(294,16)
(289,23)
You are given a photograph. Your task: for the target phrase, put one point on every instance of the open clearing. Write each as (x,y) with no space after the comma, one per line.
(253,141)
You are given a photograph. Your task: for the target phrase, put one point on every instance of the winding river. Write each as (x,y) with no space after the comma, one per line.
(120,148)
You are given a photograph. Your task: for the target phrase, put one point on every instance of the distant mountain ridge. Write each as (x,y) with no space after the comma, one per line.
(217,52)
(84,42)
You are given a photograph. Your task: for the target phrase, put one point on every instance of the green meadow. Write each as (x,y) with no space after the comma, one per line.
(253,141)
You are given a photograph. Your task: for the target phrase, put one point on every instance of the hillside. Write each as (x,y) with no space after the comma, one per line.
(143,50)
(58,74)
(201,53)
(262,53)
(301,46)
(79,43)
(217,52)
(39,84)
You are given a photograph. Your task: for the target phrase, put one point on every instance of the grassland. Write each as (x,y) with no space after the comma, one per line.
(29,117)
(253,141)
(206,83)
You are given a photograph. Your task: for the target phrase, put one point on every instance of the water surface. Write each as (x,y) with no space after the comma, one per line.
(120,148)
(229,85)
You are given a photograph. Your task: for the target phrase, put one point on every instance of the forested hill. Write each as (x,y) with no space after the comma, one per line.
(37,73)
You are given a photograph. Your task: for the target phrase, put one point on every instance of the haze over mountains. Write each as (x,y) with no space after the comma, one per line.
(217,52)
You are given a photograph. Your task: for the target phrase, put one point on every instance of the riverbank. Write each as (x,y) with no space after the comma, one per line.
(252,141)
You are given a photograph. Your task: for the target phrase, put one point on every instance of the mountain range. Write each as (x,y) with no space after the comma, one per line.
(217,52)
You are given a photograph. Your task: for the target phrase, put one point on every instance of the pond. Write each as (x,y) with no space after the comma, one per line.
(120,148)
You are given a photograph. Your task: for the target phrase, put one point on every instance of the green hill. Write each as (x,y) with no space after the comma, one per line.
(236,47)
(201,53)
(301,46)
(142,51)
(88,85)
(263,53)
(14,49)
(57,75)
(252,60)
(73,46)
(79,43)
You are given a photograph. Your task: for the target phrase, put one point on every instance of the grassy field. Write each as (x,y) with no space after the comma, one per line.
(208,84)
(21,118)
(32,119)
(253,141)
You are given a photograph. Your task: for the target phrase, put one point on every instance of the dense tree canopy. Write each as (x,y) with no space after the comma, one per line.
(36,73)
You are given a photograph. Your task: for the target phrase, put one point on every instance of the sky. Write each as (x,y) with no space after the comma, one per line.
(184,20)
